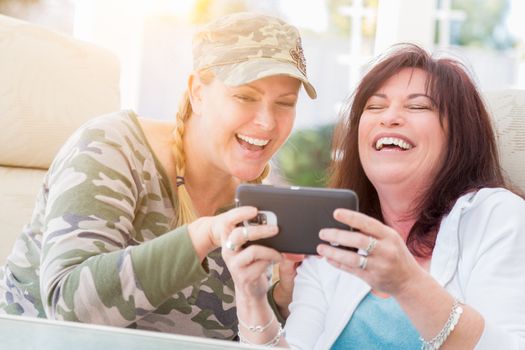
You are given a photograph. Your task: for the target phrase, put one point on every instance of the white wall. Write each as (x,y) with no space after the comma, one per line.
(119,26)
(404,21)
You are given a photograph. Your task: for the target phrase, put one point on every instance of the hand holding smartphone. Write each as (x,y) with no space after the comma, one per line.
(299,212)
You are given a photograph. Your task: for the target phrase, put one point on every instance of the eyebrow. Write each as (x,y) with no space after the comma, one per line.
(288,93)
(261,92)
(249,86)
(411,96)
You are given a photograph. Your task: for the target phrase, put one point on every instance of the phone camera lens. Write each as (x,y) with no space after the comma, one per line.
(259,219)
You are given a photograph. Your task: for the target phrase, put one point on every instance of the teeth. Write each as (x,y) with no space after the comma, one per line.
(392,141)
(253,141)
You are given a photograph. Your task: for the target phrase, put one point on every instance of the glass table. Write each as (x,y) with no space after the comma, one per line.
(23,333)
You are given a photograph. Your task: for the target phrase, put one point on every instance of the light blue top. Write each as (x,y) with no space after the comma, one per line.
(378,323)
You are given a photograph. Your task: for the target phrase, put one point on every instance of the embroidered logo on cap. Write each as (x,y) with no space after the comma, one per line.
(298,56)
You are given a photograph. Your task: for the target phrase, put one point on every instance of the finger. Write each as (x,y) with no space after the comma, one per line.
(230,219)
(352,239)
(251,272)
(288,268)
(361,222)
(294,257)
(237,215)
(356,270)
(287,265)
(237,238)
(338,255)
(242,234)
(256,253)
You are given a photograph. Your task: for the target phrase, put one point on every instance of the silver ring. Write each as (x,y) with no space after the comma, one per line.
(371,245)
(230,245)
(363,260)
(245,233)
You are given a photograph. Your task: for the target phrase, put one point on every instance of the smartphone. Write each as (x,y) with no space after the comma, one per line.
(299,212)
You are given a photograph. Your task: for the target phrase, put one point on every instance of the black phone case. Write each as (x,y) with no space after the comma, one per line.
(301,213)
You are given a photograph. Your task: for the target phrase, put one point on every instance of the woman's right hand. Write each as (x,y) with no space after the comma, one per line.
(206,232)
(387,265)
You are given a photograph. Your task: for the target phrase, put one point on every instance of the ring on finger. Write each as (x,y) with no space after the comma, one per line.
(363,260)
(371,245)
(245,233)
(230,245)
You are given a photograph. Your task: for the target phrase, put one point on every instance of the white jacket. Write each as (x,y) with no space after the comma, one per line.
(479,258)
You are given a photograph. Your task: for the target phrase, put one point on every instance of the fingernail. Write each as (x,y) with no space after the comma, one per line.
(322,233)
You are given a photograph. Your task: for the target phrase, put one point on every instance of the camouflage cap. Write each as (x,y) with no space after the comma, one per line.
(244,47)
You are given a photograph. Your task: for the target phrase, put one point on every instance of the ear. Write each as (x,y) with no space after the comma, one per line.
(195,93)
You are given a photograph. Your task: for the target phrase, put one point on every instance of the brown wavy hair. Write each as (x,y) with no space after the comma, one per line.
(471,160)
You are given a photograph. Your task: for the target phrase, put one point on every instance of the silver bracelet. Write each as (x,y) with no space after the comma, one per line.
(257,328)
(453,319)
(271,343)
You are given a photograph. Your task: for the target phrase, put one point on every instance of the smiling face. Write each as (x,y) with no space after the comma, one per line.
(238,129)
(401,139)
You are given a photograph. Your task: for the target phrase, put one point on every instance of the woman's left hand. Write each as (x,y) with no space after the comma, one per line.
(383,259)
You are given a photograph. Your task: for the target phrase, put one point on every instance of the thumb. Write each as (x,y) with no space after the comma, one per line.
(287,267)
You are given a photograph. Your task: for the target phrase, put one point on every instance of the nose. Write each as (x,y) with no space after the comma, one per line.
(265,117)
(392,116)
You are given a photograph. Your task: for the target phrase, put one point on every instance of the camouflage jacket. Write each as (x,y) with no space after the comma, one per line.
(99,247)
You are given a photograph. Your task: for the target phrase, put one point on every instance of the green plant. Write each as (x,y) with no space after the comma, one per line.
(484,25)
(305,157)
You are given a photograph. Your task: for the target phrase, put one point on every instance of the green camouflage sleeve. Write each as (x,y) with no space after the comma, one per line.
(92,269)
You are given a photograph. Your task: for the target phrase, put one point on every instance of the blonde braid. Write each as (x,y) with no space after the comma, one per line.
(184,211)
(266,171)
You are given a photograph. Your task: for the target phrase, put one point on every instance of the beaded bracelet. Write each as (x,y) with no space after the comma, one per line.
(271,343)
(257,328)
(453,319)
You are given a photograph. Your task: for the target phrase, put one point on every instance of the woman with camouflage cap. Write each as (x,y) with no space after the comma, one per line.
(125,231)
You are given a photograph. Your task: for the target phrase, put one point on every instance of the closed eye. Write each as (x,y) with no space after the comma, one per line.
(244,98)
(286,103)
(419,107)
(374,107)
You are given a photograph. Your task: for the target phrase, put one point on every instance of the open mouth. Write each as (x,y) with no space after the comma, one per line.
(392,143)
(251,143)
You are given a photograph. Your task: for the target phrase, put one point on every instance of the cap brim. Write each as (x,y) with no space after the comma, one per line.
(258,68)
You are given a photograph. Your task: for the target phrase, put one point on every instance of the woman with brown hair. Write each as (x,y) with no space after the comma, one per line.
(126,228)
(440,236)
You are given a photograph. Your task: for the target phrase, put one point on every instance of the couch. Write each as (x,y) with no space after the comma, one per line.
(507,108)
(49,85)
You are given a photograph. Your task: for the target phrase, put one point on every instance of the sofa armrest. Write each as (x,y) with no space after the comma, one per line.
(507,108)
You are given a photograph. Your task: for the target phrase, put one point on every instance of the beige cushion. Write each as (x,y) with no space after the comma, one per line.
(49,85)
(508,110)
